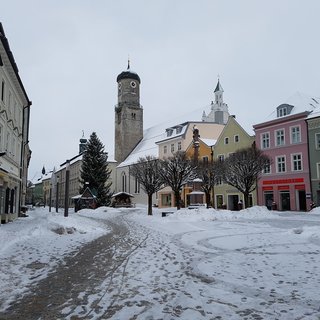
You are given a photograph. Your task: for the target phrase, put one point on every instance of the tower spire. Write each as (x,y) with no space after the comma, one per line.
(128,63)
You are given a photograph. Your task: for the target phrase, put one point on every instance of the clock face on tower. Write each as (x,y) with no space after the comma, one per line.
(133,84)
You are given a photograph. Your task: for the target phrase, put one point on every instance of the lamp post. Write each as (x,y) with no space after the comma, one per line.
(66,196)
(50,196)
(57,195)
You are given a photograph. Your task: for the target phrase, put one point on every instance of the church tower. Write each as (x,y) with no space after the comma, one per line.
(219,110)
(128,114)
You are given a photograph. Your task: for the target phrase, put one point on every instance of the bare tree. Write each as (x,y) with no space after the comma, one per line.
(208,172)
(243,168)
(175,172)
(146,171)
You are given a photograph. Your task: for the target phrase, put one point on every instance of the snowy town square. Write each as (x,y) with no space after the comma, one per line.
(190,264)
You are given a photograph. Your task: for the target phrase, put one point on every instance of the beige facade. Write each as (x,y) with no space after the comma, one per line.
(180,140)
(14,129)
(184,137)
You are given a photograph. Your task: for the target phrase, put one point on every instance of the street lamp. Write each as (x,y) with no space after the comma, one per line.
(50,196)
(66,197)
(57,195)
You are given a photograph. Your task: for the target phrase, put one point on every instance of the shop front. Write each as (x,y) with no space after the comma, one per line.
(285,194)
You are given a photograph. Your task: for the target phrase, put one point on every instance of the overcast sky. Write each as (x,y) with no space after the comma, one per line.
(70,52)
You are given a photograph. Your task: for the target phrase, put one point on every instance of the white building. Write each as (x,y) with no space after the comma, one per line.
(14,134)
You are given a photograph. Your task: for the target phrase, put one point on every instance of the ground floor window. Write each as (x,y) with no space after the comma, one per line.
(268,199)
(219,201)
(285,201)
(233,200)
(166,200)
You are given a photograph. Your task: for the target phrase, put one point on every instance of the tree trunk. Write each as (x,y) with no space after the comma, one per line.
(246,200)
(177,199)
(150,204)
(208,199)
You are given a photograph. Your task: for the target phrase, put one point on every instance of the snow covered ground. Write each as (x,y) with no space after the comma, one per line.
(194,264)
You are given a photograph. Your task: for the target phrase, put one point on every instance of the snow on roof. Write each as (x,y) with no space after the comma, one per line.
(147,146)
(122,192)
(301,102)
(314,114)
(209,142)
(174,132)
(45,176)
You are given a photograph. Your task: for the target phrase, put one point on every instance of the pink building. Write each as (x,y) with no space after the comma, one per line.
(285,183)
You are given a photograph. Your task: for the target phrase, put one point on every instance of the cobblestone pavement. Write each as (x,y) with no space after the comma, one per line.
(83,271)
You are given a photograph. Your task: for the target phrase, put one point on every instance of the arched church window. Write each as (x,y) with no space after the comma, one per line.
(124,181)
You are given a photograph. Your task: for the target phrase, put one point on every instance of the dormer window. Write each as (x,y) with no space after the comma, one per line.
(178,130)
(169,132)
(284,110)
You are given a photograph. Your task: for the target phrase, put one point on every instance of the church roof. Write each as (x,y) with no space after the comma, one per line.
(218,87)
(148,146)
(128,74)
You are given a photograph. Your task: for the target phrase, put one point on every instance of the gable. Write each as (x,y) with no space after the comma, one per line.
(232,138)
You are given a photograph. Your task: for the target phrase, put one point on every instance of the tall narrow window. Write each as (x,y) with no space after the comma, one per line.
(1,137)
(280,137)
(137,186)
(236,138)
(267,168)
(172,148)
(13,147)
(124,182)
(295,135)
(265,140)
(2,90)
(296,162)
(179,146)
(226,140)
(7,142)
(221,157)
(164,149)
(317,139)
(10,102)
(281,164)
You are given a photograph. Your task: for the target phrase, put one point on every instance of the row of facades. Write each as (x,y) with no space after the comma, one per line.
(291,137)
(14,135)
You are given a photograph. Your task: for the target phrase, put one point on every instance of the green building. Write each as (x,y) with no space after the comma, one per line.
(232,138)
(314,156)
